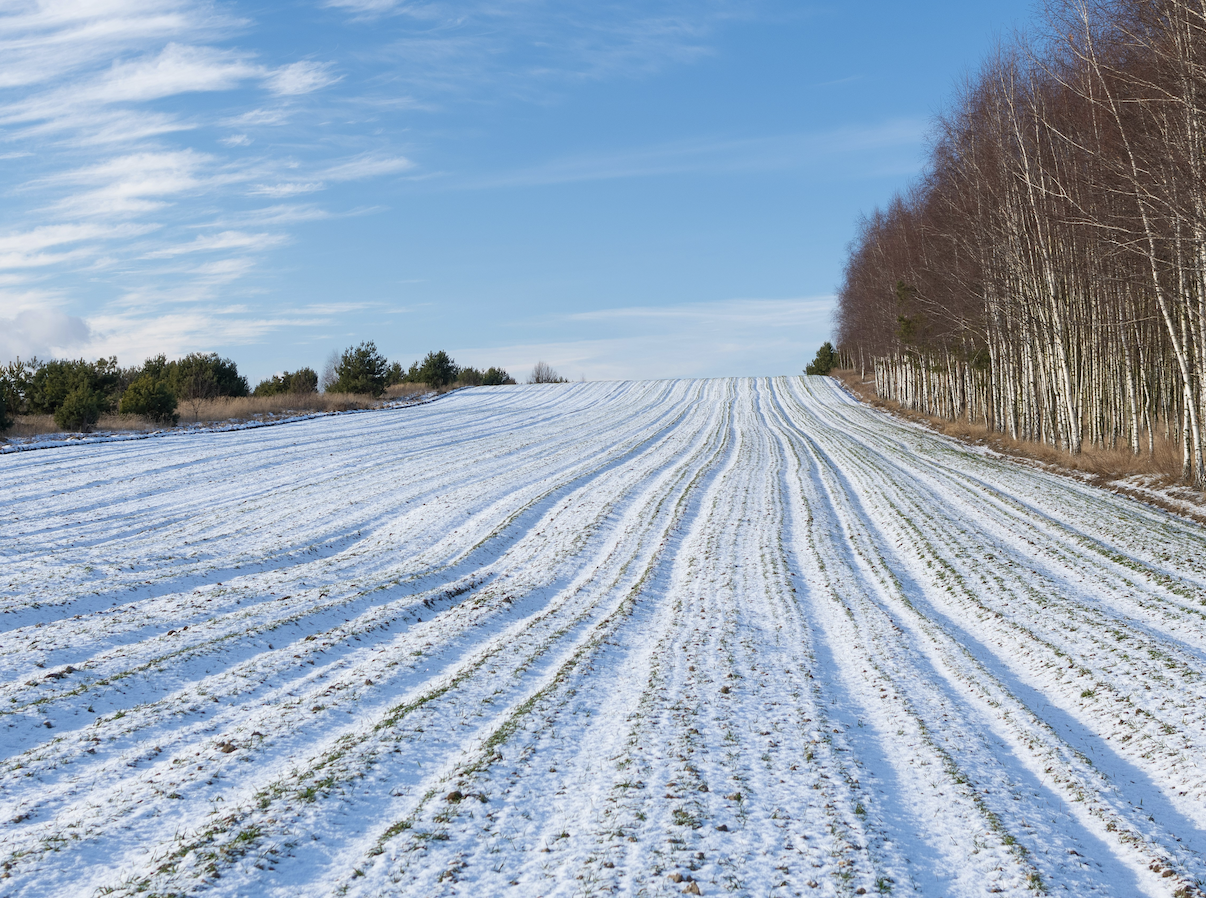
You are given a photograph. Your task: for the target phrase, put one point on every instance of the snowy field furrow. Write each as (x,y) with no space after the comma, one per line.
(742,637)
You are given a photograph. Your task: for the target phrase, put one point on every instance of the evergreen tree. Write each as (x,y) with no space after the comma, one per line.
(438,369)
(496,377)
(51,382)
(15,379)
(194,374)
(303,380)
(80,409)
(151,397)
(361,369)
(825,361)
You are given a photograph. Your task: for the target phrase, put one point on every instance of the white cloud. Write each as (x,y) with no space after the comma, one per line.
(300,78)
(224,270)
(143,331)
(337,308)
(96,105)
(224,240)
(784,152)
(40,332)
(257,117)
(57,235)
(104,93)
(470,46)
(285,189)
(89,127)
(177,69)
(367,166)
(38,260)
(738,337)
(281,214)
(363,7)
(134,183)
(41,42)
(722,315)
(26,249)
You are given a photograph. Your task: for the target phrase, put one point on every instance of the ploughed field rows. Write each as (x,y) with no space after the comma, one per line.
(736,637)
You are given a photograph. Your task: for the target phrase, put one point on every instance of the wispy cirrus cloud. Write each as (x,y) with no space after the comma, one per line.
(222,240)
(175,70)
(284,189)
(758,314)
(86,129)
(46,42)
(153,147)
(532,46)
(178,330)
(132,184)
(269,216)
(713,155)
(41,238)
(706,339)
(29,249)
(116,76)
(300,78)
(355,169)
(366,166)
(222,271)
(366,8)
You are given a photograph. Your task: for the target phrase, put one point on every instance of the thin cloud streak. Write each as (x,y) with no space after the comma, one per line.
(758,313)
(300,78)
(44,42)
(224,240)
(133,184)
(712,156)
(57,235)
(707,339)
(454,49)
(144,134)
(116,75)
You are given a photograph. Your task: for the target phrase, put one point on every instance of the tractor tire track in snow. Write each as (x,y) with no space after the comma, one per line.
(724,637)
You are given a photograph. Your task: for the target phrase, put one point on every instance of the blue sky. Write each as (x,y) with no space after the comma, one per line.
(628,189)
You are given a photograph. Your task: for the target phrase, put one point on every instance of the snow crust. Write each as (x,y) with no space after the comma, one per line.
(740,637)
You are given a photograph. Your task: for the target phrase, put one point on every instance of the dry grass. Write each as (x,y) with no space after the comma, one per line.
(256,408)
(214,411)
(39,425)
(409,391)
(1103,465)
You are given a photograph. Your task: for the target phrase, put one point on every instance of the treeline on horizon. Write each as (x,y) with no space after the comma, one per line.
(1046,277)
(77,392)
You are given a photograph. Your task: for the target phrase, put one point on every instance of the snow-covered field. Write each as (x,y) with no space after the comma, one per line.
(728,637)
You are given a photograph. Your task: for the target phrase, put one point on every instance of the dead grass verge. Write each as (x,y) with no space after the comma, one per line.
(39,425)
(1161,470)
(224,409)
(252,408)
(409,391)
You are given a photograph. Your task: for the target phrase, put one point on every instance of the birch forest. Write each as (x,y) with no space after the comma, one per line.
(1046,276)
